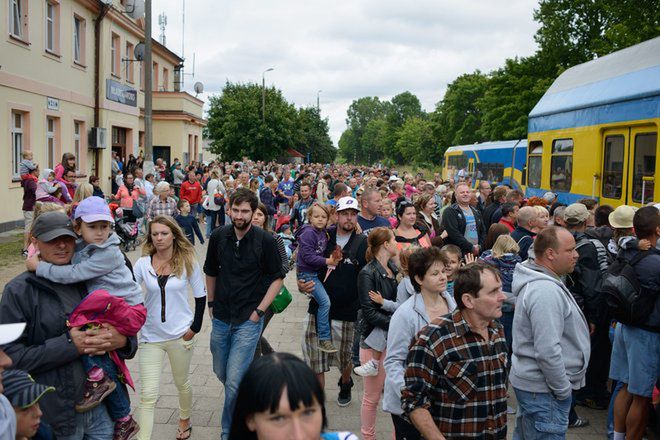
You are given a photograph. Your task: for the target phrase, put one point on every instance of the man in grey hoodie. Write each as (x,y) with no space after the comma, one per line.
(550,338)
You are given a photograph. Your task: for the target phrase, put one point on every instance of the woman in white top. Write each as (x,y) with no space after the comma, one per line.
(426,272)
(215,213)
(168,267)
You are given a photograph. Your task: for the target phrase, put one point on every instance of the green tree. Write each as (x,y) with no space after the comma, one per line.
(374,140)
(415,140)
(457,118)
(512,92)
(348,146)
(359,114)
(404,106)
(235,124)
(576,31)
(313,136)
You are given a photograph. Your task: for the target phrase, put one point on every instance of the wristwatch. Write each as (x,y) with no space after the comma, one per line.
(260,313)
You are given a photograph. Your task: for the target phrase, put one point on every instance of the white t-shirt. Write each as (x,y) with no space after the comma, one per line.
(178,315)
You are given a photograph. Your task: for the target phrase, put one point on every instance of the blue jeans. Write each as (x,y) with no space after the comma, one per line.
(323,301)
(541,416)
(94,424)
(211,218)
(232,348)
(635,359)
(118,402)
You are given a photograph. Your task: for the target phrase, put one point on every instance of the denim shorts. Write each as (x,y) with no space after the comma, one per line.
(636,359)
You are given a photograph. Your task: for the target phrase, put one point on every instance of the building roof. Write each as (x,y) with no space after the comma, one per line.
(293,153)
(628,74)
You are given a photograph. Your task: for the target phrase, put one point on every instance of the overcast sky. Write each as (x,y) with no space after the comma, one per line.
(347,49)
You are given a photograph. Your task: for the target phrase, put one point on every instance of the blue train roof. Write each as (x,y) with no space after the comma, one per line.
(624,85)
(488,146)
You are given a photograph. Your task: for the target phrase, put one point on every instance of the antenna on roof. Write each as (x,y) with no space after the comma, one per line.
(162,22)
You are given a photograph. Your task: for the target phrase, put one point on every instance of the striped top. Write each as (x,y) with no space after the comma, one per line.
(459,377)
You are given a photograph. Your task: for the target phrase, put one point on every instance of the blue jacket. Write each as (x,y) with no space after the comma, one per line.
(100,266)
(190,226)
(649,276)
(506,265)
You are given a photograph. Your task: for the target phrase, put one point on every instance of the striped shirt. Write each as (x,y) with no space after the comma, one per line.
(157,207)
(459,377)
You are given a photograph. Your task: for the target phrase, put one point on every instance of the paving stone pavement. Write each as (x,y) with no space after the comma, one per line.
(285,334)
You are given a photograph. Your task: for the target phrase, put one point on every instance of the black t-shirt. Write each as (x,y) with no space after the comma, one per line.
(243,269)
(341,285)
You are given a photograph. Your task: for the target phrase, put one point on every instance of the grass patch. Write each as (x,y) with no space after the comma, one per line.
(10,251)
(412,169)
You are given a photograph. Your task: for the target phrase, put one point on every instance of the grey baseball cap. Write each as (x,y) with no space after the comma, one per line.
(51,225)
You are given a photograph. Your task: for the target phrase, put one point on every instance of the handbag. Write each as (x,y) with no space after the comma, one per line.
(281,301)
(219,198)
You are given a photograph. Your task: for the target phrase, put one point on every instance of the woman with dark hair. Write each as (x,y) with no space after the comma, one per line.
(426,271)
(408,233)
(280,398)
(260,218)
(377,277)
(68,164)
(495,230)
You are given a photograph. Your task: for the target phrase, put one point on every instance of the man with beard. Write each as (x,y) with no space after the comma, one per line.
(243,274)
(341,285)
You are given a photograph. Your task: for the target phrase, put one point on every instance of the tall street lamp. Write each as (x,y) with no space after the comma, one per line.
(318,108)
(263,94)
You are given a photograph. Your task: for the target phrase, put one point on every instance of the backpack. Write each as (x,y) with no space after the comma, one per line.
(604,259)
(628,301)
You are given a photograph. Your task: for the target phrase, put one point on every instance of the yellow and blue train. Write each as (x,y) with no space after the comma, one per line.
(593,134)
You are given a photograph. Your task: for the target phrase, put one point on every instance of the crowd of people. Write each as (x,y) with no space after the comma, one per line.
(442,299)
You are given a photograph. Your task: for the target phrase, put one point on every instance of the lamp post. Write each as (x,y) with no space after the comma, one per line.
(318,108)
(263,94)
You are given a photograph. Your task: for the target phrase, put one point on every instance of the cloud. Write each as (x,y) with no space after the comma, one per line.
(347,49)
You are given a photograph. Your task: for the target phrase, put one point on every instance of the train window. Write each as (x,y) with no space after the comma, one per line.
(456,163)
(613,167)
(644,166)
(561,165)
(534,162)
(492,172)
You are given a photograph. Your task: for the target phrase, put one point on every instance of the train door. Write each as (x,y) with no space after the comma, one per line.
(643,158)
(614,173)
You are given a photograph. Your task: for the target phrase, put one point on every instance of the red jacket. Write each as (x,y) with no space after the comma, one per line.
(192,192)
(508,224)
(101,307)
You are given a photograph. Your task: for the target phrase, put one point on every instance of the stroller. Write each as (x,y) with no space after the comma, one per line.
(127,226)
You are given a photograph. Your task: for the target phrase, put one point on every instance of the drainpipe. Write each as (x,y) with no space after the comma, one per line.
(97,74)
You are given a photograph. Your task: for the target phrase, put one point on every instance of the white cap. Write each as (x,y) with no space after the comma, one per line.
(11,332)
(347,203)
(392,178)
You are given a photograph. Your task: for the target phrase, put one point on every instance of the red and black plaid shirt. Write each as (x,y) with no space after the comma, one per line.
(459,377)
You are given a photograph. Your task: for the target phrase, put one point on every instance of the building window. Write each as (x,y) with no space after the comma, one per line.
(141,140)
(51,139)
(613,167)
(17,124)
(78,40)
(52,27)
(77,143)
(166,80)
(129,64)
(154,77)
(18,19)
(561,165)
(114,55)
(644,167)
(534,164)
(142,75)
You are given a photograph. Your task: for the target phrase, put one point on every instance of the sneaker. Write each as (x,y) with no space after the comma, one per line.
(344,396)
(327,347)
(369,368)
(125,430)
(580,422)
(24,253)
(95,392)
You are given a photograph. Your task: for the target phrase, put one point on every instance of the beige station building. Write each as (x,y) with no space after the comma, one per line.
(69,83)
